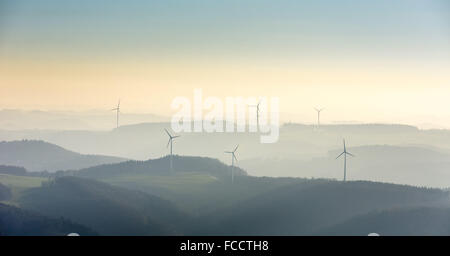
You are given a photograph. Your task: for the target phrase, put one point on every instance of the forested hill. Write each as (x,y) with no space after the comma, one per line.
(418,221)
(18,222)
(303,209)
(107,209)
(161,166)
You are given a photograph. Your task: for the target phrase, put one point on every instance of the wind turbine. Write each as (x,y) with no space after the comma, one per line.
(233,157)
(318,115)
(345,153)
(257,112)
(117,109)
(171,146)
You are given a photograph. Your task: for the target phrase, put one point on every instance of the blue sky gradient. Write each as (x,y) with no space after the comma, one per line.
(253,27)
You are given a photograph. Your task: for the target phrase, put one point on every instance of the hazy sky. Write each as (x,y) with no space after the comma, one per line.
(370,61)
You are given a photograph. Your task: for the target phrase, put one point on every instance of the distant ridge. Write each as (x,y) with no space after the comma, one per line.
(160,166)
(16,119)
(360,127)
(36,155)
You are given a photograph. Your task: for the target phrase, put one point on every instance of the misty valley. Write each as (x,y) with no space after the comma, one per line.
(127,182)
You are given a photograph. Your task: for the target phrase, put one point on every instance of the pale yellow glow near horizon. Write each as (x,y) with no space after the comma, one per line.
(397,92)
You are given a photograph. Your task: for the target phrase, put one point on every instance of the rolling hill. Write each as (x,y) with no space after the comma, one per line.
(18,222)
(107,209)
(160,166)
(412,165)
(42,156)
(302,150)
(193,184)
(297,141)
(5,193)
(250,206)
(420,221)
(18,184)
(303,209)
(197,197)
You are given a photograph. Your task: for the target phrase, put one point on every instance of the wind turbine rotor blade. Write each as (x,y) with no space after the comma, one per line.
(228,152)
(167,132)
(173,137)
(319,109)
(344,147)
(340,155)
(350,154)
(168,142)
(234,156)
(235,148)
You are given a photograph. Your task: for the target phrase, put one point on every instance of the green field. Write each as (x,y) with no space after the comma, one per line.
(20,183)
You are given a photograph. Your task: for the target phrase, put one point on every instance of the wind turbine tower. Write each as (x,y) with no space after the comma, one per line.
(318,115)
(345,153)
(257,112)
(171,138)
(117,109)
(233,157)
